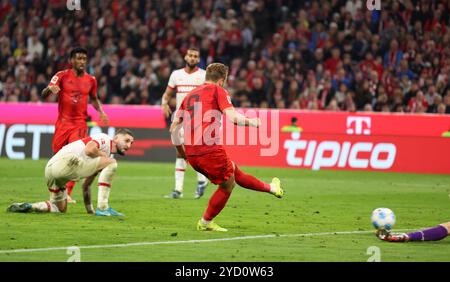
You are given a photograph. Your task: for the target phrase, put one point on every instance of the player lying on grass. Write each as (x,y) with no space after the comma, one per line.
(82,159)
(431,234)
(200,115)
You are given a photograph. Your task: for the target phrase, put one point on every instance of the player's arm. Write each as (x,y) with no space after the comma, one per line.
(92,150)
(175,128)
(51,89)
(87,193)
(226,107)
(98,106)
(96,102)
(54,85)
(239,119)
(165,100)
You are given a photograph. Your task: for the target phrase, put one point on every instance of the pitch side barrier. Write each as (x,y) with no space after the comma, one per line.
(417,143)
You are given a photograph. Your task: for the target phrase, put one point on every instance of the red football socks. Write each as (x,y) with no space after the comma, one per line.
(69,187)
(216,203)
(250,182)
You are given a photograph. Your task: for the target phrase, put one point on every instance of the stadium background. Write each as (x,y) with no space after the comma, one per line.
(294,56)
(330,55)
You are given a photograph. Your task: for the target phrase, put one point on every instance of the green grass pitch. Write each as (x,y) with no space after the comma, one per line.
(299,227)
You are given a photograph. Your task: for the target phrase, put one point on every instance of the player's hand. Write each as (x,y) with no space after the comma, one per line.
(104,118)
(255,122)
(54,89)
(166,110)
(388,236)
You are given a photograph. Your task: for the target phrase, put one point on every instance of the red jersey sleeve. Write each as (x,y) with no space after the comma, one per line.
(93,92)
(56,79)
(223,99)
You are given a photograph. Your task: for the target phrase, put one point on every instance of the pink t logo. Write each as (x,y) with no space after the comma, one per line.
(359,125)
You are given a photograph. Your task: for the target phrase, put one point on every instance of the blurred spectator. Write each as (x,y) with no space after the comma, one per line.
(418,103)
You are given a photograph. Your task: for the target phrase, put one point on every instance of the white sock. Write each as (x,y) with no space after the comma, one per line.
(201,177)
(103,196)
(180,168)
(104,185)
(44,207)
(272,188)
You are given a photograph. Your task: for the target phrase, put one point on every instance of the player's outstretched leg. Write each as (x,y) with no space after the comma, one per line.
(250,182)
(216,204)
(45,206)
(431,234)
(104,188)
(202,182)
(180,168)
(20,207)
(57,203)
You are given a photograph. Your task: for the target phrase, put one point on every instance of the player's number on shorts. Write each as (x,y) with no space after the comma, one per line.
(190,105)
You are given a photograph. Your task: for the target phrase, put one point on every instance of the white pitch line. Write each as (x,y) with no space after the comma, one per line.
(189,241)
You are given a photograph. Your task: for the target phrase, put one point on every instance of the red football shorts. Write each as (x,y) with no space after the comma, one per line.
(67,133)
(216,166)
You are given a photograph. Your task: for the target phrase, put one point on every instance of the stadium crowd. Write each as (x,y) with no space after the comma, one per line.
(331,55)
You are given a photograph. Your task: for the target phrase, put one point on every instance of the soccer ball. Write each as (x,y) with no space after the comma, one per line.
(383,218)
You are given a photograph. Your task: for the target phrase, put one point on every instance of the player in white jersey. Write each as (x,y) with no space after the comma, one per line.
(83,158)
(181,82)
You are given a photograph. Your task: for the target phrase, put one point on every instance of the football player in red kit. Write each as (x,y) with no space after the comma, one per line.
(73,86)
(199,116)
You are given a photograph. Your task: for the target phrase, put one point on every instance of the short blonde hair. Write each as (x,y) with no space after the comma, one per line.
(216,71)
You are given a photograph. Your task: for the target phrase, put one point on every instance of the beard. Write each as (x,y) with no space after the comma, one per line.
(79,69)
(120,151)
(191,66)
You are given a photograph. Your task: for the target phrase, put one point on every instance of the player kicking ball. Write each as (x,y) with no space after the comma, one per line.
(199,116)
(82,159)
(436,233)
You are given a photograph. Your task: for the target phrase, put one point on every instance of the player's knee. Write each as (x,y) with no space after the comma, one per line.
(107,163)
(111,162)
(112,166)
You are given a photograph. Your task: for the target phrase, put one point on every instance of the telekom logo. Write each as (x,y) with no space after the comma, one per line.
(359,125)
